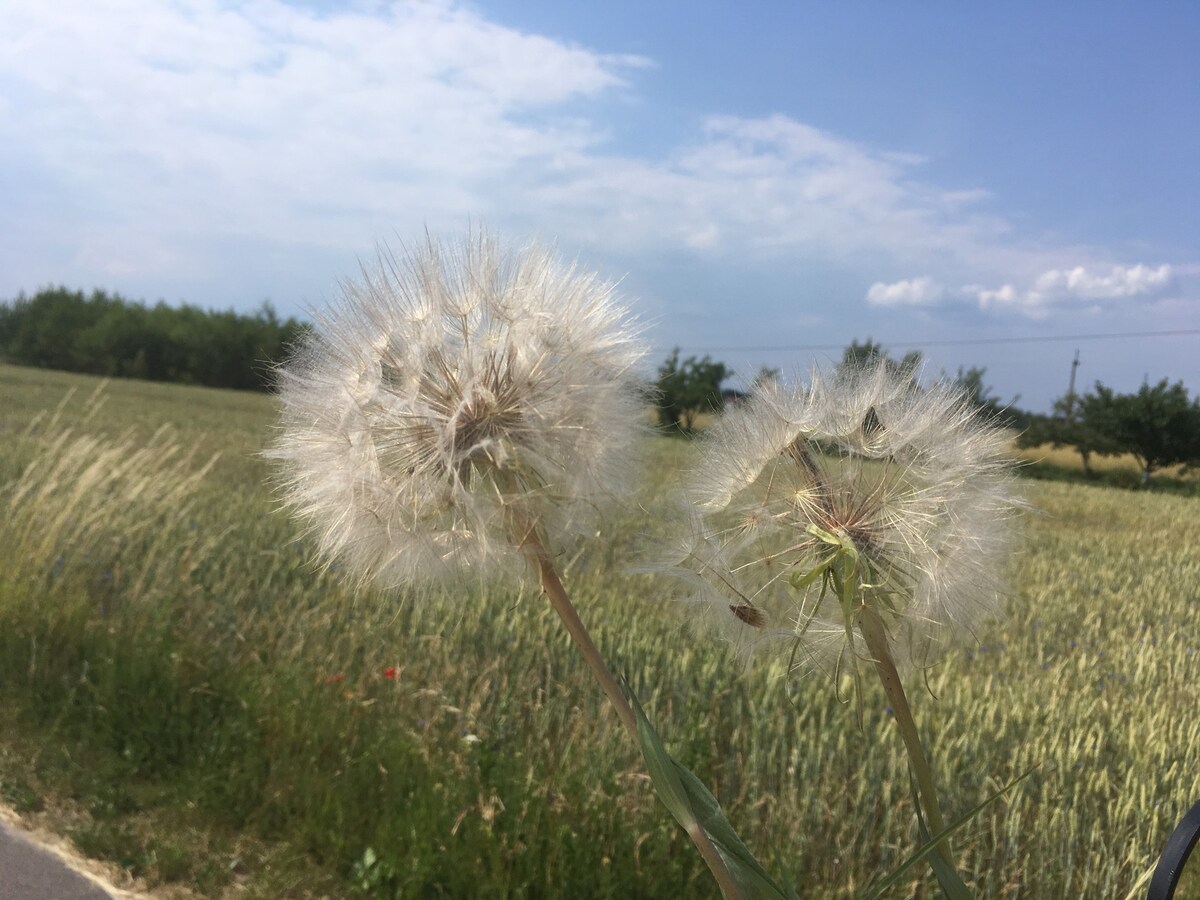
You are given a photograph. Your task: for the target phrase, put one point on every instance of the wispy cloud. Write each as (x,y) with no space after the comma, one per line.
(141,138)
(769,186)
(270,118)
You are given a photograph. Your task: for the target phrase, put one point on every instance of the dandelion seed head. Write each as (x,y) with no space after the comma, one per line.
(913,479)
(446,389)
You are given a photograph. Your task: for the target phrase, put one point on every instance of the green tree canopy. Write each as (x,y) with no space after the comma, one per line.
(688,388)
(869,353)
(1159,425)
(1065,428)
(105,334)
(979,394)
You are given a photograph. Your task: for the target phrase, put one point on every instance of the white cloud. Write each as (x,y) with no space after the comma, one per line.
(769,187)
(1119,283)
(270,119)
(1075,287)
(922,291)
(1005,297)
(147,139)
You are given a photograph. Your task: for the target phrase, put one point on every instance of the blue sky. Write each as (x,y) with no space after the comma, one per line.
(777,175)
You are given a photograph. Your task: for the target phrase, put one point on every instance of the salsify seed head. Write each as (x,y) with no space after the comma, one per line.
(452,398)
(859,479)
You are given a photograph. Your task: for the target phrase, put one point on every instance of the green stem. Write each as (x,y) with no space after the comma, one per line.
(875,635)
(552,586)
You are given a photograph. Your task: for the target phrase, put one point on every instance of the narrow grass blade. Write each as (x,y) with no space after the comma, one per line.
(694,807)
(948,879)
(930,845)
(951,883)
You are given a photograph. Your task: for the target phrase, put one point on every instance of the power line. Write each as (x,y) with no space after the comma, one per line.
(1031,339)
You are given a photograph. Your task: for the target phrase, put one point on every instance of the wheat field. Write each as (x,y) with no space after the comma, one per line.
(187,696)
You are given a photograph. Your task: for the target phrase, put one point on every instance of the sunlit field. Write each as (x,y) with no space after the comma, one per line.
(1118,471)
(186,695)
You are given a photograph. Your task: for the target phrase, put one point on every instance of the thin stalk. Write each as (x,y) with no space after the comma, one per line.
(875,635)
(552,587)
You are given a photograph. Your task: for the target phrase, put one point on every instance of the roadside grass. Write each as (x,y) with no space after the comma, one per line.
(220,714)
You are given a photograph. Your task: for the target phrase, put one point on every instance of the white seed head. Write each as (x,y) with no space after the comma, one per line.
(915,480)
(451,397)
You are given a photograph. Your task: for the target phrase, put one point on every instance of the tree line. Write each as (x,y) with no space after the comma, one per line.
(105,334)
(1159,425)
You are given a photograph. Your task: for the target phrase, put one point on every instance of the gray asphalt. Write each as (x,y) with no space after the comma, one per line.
(27,872)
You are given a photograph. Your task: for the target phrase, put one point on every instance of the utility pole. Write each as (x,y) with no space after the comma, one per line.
(1071,389)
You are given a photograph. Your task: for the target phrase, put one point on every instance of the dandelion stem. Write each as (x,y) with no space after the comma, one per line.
(552,587)
(555,592)
(875,635)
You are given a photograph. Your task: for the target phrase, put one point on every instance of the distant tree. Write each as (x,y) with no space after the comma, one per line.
(970,382)
(979,395)
(41,330)
(1064,428)
(767,377)
(105,334)
(687,388)
(870,353)
(8,319)
(1076,431)
(1058,432)
(1158,425)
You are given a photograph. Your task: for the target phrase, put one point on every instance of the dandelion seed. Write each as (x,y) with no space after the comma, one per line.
(451,395)
(909,486)
(467,412)
(859,519)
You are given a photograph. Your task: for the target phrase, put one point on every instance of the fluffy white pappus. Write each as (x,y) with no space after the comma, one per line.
(915,479)
(452,398)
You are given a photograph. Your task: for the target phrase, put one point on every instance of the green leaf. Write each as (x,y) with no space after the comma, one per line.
(663,773)
(930,845)
(695,808)
(827,536)
(948,879)
(800,582)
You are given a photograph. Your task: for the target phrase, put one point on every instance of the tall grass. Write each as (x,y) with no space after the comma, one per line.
(219,713)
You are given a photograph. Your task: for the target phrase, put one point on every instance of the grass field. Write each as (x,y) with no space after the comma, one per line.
(182,693)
